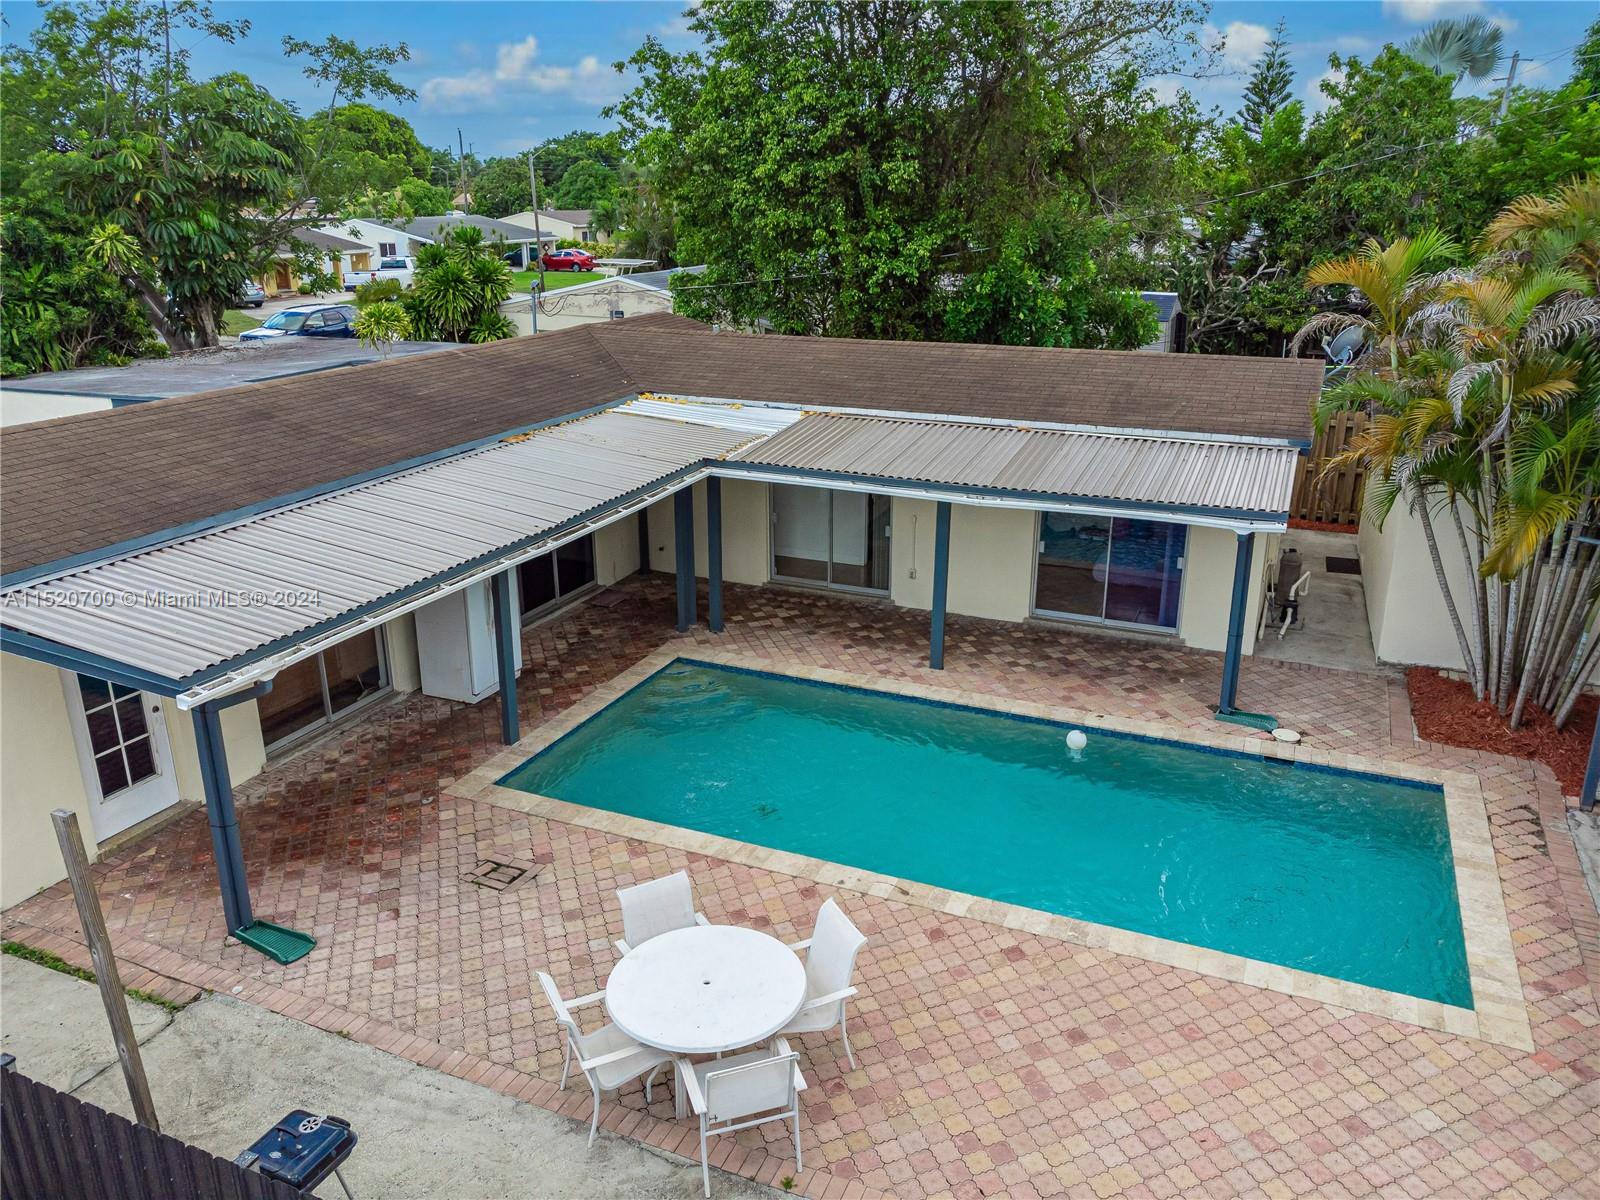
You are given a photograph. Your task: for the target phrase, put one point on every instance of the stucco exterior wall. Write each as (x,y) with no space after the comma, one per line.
(40,769)
(38,772)
(746,533)
(1405,608)
(991,562)
(1207,599)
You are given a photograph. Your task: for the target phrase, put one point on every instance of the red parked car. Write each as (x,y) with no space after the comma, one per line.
(569,260)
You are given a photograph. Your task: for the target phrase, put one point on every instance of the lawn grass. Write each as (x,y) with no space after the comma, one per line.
(523,280)
(235,322)
(55,963)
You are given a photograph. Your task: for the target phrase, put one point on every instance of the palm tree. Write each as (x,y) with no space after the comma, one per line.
(1568,222)
(1396,283)
(1457,47)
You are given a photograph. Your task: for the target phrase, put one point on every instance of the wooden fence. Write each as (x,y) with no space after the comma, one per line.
(58,1146)
(1335,497)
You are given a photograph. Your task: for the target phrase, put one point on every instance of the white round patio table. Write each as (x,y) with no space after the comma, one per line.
(706,989)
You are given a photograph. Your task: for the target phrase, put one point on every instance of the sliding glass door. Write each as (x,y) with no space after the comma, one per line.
(834,538)
(315,691)
(545,582)
(1117,570)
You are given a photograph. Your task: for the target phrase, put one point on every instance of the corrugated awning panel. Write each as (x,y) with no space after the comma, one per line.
(173,609)
(1248,477)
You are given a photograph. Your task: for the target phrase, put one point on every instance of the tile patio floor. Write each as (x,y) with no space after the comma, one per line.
(991,1061)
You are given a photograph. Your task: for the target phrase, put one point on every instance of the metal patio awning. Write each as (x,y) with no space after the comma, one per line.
(1237,484)
(280,585)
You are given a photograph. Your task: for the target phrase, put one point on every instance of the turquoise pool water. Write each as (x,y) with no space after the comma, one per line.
(1333,872)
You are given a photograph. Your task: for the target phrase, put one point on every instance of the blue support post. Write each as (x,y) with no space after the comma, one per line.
(941,583)
(1591,777)
(506,632)
(220,812)
(1243,557)
(683,531)
(714,554)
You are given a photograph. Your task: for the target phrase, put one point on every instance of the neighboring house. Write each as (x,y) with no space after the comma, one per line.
(392,239)
(338,253)
(568,224)
(598,300)
(91,389)
(161,564)
(1174,325)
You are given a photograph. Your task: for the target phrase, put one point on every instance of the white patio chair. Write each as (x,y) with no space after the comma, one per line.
(657,907)
(724,1091)
(607,1057)
(830,962)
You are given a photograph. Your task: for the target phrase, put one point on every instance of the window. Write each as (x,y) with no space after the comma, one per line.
(314,691)
(386,250)
(1117,570)
(119,734)
(545,581)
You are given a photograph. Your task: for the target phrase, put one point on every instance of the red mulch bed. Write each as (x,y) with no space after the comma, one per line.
(1322,526)
(1445,711)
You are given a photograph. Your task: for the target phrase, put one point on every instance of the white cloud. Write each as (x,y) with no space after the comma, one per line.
(517,70)
(1425,12)
(1241,42)
(1316,101)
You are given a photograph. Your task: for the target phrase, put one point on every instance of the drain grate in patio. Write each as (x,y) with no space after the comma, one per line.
(1343,566)
(498,876)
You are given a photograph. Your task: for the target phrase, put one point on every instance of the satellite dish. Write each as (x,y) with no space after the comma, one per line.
(1344,346)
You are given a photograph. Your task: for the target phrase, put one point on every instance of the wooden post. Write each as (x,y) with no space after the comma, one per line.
(105,965)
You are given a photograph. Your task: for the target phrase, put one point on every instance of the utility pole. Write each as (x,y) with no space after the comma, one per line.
(538,237)
(461,158)
(1505,92)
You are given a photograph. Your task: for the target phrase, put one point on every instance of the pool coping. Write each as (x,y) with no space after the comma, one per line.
(1499,1014)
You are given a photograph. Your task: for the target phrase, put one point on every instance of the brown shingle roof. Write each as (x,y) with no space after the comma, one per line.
(77,484)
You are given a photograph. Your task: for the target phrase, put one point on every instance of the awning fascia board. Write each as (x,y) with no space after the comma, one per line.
(55,654)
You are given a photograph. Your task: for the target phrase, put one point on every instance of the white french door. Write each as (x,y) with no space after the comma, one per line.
(121,735)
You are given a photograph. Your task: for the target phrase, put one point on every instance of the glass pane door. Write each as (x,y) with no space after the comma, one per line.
(119,735)
(312,692)
(1124,570)
(1073,551)
(833,537)
(1142,583)
(802,532)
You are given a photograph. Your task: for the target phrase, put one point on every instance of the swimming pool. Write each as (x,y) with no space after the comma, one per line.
(1341,874)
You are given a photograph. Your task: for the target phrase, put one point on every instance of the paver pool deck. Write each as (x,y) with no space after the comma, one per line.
(992,1060)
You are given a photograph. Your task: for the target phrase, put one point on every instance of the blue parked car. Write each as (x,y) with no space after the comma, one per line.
(306,320)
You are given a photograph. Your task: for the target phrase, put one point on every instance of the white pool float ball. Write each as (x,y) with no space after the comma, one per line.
(1076,740)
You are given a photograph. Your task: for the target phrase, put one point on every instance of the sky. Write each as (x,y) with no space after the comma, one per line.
(507,74)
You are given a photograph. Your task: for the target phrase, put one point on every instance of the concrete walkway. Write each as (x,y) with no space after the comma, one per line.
(1333,631)
(222,1072)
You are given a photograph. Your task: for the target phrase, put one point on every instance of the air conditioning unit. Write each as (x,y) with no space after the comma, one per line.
(456,645)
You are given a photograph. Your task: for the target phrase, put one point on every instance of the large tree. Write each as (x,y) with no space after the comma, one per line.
(1269,85)
(836,164)
(365,150)
(181,187)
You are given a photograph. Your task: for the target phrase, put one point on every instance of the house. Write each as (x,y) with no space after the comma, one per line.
(91,389)
(336,253)
(597,300)
(1173,338)
(568,224)
(239,571)
(400,239)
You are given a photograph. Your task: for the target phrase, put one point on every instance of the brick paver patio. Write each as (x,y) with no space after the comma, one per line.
(990,1062)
